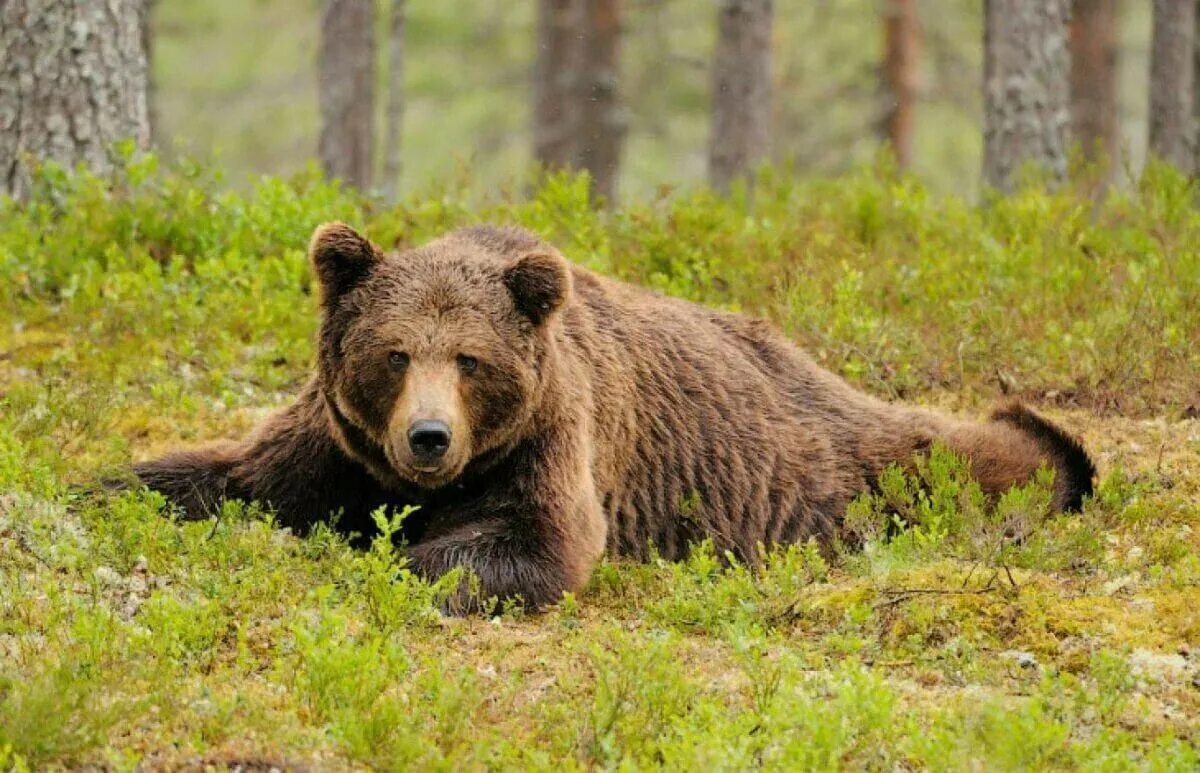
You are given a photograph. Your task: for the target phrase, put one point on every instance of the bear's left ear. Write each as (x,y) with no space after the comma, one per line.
(341,257)
(539,283)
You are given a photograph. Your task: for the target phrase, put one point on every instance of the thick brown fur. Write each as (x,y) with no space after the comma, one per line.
(585,415)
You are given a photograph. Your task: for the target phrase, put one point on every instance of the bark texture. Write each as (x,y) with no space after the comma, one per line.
(394,119)
(902,39)
(1026,74)
(72,82)
(741,98)
(1094,77)
(1196,98)
(601,126)
(346,90)
(555,72)
(1171,81)
(147,22)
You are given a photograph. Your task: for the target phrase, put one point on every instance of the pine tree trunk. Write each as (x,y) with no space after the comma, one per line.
(901,49)
(147,22)
(556,69)
(1196,96)
(346,90)
(1026,74)
(72,82)
(601,123)
(1171,81)
(1094,77)
(741,96)
(394,119)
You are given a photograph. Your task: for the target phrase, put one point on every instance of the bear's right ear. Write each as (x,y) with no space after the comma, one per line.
(341,257)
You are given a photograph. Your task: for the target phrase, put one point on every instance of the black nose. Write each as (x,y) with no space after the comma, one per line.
(429,439)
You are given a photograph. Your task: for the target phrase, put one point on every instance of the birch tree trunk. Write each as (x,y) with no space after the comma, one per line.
(393,126)
(1026,74)
(72,82)
(601,124)
(901,44)
(346,90)
(556,68)
(741,92)
(1094,77)
(1172,62)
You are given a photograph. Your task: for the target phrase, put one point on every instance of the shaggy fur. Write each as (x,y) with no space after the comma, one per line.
(584,415)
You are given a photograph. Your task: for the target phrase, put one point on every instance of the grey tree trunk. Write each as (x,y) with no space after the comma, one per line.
(1196,97)
(741,91)
(556,69)
(1172,61)
(346,90)
(601,123)
(901,44)
(147,22)
(1094,77)
(393,125)
(72,82)
(1025,89)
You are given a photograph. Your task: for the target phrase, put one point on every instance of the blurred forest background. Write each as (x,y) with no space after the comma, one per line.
(237,80)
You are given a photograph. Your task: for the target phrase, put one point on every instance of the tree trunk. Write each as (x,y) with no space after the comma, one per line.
(346,90)
(1094,77)
(555,71)
(394,120)
(1026,74)
(72,82)
(901,49)
(1196,97)
(1172,61)
(147,22)
(601,124)
(741,95)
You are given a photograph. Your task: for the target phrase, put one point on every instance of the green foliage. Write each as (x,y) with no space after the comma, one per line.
(395,596)
(940,509)
(155,308)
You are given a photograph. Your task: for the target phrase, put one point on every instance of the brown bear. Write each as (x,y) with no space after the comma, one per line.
(539,414)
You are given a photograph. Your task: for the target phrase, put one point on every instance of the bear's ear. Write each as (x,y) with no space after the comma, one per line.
(539,283)
(341,258)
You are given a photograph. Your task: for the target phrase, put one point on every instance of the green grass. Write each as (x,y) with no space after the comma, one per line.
(157,308)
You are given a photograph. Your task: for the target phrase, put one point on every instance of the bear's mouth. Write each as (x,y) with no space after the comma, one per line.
(434,477)
(426,476)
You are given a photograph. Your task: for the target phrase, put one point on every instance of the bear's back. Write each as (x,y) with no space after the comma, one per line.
(707,424)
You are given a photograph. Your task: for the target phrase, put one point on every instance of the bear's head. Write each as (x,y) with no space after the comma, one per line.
(436,356)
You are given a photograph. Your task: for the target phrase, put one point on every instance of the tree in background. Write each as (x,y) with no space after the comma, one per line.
(901,49)
(393,121)
(1172,62)
(72,82)
(147,9)
(346,90)
(741,91)
(601,125)
(1026,74)
(554,74)
(1093,40)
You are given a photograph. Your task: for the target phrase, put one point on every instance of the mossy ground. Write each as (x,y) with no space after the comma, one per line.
(153,310)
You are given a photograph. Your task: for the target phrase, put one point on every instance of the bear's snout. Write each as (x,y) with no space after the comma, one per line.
(429,439)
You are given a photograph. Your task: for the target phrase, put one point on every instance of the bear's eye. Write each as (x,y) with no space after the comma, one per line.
(467,364)
(397,360)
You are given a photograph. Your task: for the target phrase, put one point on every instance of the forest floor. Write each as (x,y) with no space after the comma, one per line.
(154,310)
